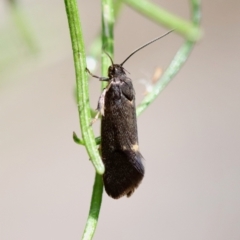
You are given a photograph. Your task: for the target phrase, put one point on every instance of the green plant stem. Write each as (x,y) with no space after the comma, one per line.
(152,11)
(176,64)
(107,45)
(82,84)
(107,35)
(22,24)
(96,201)
(171,71)
(95,48)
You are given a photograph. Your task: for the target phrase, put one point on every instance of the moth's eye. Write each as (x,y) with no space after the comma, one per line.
(110,70)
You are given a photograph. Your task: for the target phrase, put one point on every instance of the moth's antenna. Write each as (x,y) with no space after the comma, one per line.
(109,57)
(154,40)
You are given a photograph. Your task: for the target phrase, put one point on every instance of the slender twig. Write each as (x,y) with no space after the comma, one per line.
(154,12)
(96,201)
(95,47)
(176,64)
(107,34)
(22,23)
(82,84)
(107,45)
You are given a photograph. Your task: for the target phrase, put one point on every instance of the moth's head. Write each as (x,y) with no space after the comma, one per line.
(116,70)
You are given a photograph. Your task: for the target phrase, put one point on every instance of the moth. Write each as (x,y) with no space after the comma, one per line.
(124,168)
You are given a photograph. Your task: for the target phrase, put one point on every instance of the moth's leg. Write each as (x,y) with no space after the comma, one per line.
(100,78)
(100,106)
(101,102)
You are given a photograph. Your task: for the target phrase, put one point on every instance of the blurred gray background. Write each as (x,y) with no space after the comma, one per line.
(189,136)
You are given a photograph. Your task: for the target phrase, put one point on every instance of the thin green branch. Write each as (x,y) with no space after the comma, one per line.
(22,24)
(107,34)
(107,45)
(94,209)
(95,48)
(196,11)
(176,64)
(152,11)
(82,84)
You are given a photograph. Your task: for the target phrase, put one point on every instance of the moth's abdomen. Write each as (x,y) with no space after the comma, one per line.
(124,171)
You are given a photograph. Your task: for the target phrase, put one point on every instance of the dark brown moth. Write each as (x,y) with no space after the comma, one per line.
(124,169)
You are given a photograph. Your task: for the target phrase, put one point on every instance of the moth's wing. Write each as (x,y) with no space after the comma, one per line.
(124,169)
(126,130)
(124,172)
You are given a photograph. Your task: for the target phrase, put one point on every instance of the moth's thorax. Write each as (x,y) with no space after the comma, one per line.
(116,71)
